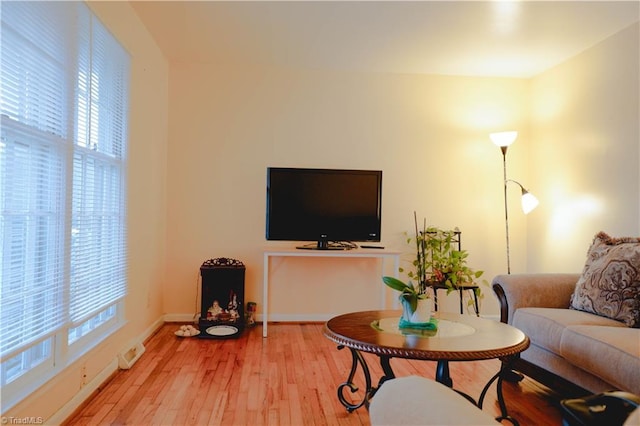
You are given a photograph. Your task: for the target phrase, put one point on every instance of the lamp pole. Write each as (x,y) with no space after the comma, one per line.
(529,201)
(506,210)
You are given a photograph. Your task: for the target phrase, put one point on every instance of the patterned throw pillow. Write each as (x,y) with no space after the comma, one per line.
(610,282)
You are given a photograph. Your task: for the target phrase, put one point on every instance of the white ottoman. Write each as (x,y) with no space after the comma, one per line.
(634,418)
(415,400)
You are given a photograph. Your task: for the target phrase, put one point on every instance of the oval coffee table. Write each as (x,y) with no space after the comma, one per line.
(458,338)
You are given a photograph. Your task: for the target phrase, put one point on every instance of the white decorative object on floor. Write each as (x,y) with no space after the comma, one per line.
(187,331)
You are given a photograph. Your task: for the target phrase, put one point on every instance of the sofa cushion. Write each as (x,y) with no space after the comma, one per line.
(610,282)
(555,364)
(610,353)
(544,326)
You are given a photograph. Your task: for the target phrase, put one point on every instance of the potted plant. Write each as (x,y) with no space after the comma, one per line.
(439,263)
(443,260)
(410,295)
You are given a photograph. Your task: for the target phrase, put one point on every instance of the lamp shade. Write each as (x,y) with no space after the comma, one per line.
(504,138)
(529,201)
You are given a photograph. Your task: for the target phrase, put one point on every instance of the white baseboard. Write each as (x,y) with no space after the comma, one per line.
(83,394)
(188,318)
(326,317)
(151,329)
(283,317)
(180,317)
(259,317)
(297,317)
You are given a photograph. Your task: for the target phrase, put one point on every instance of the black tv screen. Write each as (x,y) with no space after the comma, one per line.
(323,205)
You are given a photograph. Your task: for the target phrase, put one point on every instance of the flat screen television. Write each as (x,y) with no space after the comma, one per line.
(329,206)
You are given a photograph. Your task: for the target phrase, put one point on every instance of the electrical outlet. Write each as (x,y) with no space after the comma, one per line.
(83,373)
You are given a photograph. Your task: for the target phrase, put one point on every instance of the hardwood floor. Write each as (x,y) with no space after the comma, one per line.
(289,378)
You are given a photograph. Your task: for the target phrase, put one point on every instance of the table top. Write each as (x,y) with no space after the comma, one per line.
(458,338)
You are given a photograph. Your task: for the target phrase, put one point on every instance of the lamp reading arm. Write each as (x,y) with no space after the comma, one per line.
(529,201)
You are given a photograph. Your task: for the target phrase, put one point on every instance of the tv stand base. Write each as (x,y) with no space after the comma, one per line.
(329,245)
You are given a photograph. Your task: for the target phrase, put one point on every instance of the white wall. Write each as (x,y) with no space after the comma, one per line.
(585,150)
(429,135)
(146,225)
(577,151)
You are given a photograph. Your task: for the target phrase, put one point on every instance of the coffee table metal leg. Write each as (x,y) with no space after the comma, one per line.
(503,407)
(499,376)
(385,363)
(442,373)
(356,359)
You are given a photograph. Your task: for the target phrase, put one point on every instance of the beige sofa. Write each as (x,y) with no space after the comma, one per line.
(572,351)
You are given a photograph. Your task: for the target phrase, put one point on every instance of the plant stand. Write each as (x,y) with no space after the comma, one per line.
(461,288)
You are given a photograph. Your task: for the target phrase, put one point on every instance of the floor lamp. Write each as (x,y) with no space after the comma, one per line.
(529,201)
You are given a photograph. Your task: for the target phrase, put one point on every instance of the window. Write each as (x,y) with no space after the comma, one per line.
(63,104)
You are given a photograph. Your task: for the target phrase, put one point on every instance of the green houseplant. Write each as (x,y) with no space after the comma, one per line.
(444,263)
(439,263)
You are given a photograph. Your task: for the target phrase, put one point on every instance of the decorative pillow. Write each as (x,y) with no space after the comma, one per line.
(610,282)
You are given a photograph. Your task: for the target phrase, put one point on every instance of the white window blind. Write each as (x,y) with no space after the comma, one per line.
(63,103)
(98,206)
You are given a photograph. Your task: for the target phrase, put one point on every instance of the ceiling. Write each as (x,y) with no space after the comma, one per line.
(495,38)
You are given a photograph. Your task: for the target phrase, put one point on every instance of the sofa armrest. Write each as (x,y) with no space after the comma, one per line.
(532,290)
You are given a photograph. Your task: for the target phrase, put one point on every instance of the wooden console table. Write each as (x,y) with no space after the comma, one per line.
(383,254)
